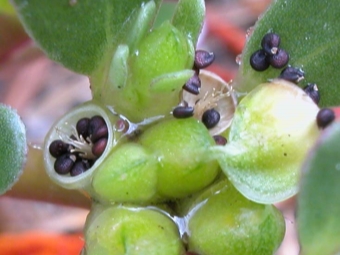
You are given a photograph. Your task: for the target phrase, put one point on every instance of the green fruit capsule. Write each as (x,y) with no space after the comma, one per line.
(124,230)
(70,156)
(129,174)
(181,147)
(156,72)
(273,128)
(223,222)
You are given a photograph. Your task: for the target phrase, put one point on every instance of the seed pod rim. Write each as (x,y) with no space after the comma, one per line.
(226,105)
(65,123)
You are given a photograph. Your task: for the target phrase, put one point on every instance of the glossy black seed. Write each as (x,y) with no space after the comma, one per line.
(101,132)
(95,123)
(99,147)
(203,59)
(325,117)
(220,140)
(83,126)
(193,85)
(312,91)
(181,112)
(64,163)
(270,43)
(78,168)
(259,60)
(210,118)
(292,74)
(58,147)
(279,60)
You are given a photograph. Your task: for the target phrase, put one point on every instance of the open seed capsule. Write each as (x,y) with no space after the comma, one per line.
(68,132)
(215,94)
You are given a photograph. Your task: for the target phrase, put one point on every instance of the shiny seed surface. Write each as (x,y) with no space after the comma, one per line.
(58,147)
(259,61)
(181,112)
(82,127)
(270,43)
(292,74)
(64,164)
(99,147)
(280,59)
(220,140)
(203,59)
(325,117)
(210,118)
(312,91)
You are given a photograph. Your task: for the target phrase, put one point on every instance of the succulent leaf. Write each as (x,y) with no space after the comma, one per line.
(13,147)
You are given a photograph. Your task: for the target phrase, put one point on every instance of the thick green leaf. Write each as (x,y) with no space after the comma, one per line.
(309,31)
(12,147)
(189,16)
(79,33)
(318,208)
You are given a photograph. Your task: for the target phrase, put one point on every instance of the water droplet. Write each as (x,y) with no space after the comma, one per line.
(337,167)
(72,2)
(249,32)
(238,59)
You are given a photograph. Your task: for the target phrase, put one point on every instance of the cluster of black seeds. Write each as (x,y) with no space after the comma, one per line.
(270,54)
(81,150)
(211,117)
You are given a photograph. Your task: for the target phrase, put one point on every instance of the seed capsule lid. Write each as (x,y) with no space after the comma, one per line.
(63,128)
(214,93)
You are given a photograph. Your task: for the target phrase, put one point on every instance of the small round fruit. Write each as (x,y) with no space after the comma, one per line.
(223,222)
(273,128)
(129,174)
(121,230)
(181,147)
(259,60)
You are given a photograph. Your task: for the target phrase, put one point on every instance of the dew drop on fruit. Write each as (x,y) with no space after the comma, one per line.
(238,59)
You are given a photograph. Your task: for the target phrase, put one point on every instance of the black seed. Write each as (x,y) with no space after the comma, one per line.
(101,132)
(210,118)
(58,147)
(292,74)
(181,112)
(87,163)
(325,117)
(220,140)
(64,163)
(312,91)
(95,123)
(193,85)
(203,59)
(279,60)
(83,126)
(259,60)
(99,147)
(78,168)
(270,43)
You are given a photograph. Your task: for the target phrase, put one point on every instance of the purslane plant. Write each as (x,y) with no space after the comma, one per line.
(155,145)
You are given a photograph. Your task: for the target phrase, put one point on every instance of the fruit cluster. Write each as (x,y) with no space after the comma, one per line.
(155,160)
